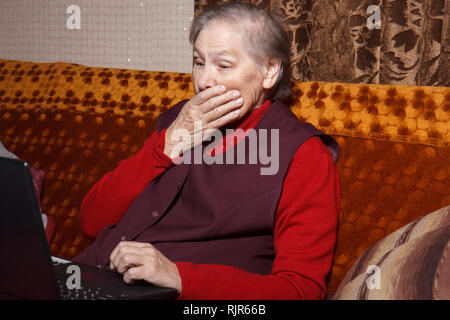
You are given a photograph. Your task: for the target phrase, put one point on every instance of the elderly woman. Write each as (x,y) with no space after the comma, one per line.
(219,230)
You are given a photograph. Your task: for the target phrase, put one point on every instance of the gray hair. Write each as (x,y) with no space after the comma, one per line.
(265,36)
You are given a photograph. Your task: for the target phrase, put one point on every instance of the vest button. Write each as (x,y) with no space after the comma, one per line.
(99,266)
(122,238)
(155,214)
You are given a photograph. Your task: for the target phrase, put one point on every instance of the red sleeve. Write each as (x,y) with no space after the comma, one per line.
(110,197)
(304,239)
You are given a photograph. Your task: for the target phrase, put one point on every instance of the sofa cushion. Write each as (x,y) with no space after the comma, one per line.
(76,123)
(393,166)
(395,113)
(384,186)
(411,263)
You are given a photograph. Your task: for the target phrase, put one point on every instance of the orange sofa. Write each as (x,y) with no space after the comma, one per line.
(76,123)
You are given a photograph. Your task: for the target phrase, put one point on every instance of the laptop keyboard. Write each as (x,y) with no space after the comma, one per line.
(87,292)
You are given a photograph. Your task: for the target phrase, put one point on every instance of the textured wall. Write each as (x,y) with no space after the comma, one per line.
(133,34)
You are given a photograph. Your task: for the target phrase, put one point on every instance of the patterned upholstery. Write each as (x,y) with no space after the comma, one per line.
(334,41)
(413,114)
(76,122)
(393,165)
(412,263)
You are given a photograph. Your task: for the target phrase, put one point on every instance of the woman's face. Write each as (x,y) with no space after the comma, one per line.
(220,59)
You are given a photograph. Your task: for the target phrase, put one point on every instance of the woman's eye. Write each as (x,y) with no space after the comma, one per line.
(198,64)
(225,67)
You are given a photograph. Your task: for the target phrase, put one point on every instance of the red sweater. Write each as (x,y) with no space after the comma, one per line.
(304,229)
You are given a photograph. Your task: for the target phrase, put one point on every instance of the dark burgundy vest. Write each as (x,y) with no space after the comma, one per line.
(213,213)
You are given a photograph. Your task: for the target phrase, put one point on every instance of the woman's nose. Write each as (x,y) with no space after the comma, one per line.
(207,79)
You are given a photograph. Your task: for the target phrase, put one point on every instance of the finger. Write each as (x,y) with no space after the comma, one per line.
(131,256)
(224,109)
(113,254)
(225,119)
(207,94)
(122,246)
(219,100)
(133,274)
(126,261)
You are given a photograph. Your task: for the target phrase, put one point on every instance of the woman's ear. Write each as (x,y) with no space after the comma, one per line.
(272,71)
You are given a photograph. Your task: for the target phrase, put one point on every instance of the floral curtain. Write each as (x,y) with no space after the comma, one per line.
(365,41)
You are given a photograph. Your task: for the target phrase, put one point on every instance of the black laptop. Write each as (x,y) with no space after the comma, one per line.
(27,269)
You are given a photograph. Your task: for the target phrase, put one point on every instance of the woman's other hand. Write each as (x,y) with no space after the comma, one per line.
(142,261)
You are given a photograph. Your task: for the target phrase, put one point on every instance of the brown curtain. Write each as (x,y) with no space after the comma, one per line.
(343,41)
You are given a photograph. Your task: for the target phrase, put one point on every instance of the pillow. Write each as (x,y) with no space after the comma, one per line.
(37,176)
(410,263)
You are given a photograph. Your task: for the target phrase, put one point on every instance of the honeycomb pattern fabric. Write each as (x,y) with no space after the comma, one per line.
(382,112)
(394,161)
(76,123)
(384,185)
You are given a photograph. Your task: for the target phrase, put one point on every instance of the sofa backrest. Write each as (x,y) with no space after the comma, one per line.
(77,122)
(394,164)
